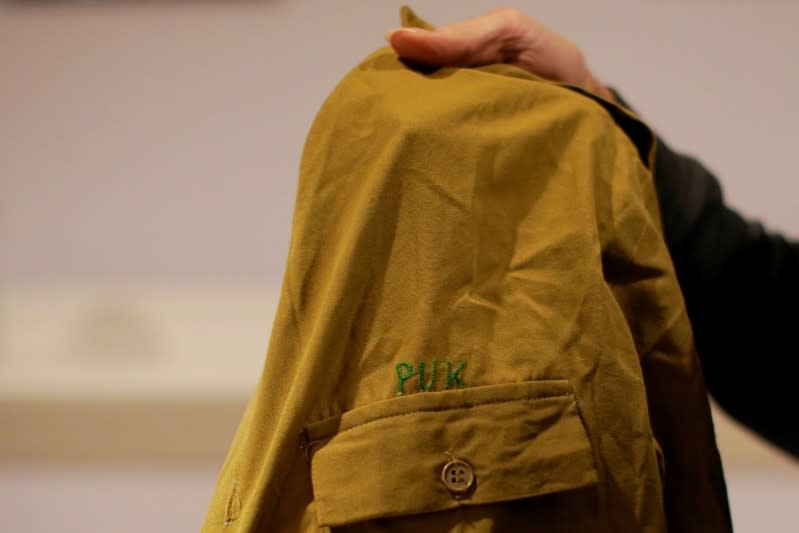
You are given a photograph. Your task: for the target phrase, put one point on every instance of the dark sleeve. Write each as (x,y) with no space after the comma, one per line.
(741,288)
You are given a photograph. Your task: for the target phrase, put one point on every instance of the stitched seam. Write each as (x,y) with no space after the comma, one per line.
(638,241)
(442,409)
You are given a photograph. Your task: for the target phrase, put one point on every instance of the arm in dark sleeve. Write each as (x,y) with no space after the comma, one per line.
(741,287)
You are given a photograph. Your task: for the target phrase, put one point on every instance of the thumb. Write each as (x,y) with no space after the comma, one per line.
(477,41)
(430,47)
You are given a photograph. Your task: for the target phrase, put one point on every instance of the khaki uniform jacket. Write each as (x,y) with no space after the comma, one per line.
(479,329)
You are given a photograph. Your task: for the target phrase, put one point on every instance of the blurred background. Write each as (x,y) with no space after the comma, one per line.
(148,158)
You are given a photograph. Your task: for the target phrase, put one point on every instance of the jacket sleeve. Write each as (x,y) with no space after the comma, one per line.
(741,287)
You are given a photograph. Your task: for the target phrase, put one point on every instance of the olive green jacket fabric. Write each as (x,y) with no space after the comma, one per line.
(476,272)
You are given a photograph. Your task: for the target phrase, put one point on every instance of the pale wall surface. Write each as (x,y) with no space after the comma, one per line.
(162,140)
(148,155)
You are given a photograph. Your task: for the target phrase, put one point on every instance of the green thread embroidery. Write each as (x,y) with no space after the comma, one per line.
(401,379)
(406,371)
(455,376)
(427,387)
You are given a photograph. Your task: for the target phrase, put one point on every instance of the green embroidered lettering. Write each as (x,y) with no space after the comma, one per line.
(455,376)
(402,377)
(427,387)
(406,371)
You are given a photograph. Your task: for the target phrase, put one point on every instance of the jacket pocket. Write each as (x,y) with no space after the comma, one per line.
(437,451)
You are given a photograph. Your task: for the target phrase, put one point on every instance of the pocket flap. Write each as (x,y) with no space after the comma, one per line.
(517,440)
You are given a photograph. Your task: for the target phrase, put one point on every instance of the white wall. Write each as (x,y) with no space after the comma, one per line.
(162,139)
(148,156)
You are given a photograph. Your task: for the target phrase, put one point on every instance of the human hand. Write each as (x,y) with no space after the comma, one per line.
(500,36)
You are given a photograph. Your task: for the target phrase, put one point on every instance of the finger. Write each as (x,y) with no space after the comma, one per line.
(472,42)
(429,47)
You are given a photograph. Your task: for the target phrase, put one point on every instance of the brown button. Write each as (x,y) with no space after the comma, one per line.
(457,476)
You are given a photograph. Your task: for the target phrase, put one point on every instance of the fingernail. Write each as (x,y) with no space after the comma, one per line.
(389,33)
